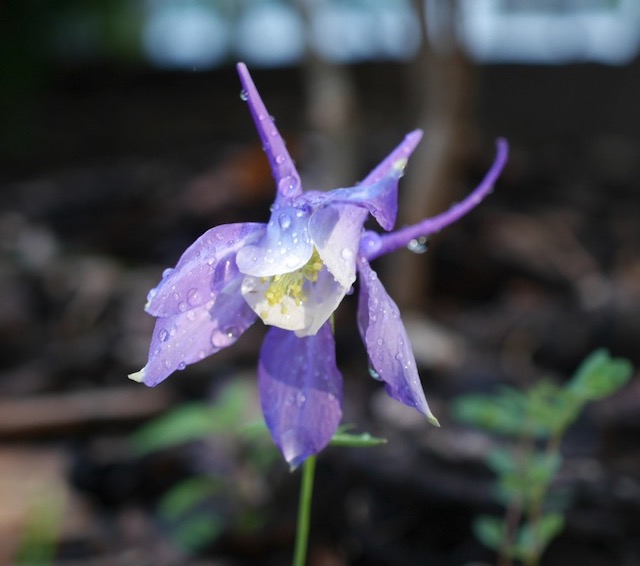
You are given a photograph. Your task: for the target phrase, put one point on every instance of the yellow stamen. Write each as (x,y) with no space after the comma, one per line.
(292,284)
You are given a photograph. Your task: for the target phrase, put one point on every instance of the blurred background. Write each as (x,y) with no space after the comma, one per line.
(123,137)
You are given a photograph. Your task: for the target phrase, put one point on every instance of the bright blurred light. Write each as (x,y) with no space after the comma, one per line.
(523,32)
(186,34)
(270,34)
(348,32)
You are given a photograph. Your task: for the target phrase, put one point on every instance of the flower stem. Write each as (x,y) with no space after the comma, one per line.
(304,511)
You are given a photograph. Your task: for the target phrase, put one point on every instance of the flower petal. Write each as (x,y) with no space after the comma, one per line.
(203,271)
(193,335)
(400,153)
(336,232)
(282,167)
(322,297)
(300,391)
(285,247)
(387,342)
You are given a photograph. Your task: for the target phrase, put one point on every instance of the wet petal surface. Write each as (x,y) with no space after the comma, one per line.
(301,398)
(204,269)
(387,342)
(191,336)
(285,247)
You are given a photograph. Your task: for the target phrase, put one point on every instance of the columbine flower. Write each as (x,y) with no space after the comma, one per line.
(293,273)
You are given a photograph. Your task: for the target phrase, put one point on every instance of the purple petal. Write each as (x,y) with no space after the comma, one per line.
(300,391)
(336,232)
(285,247)
(378,193)
(387,342)
(191,336)
(282,166)
(204,269)
(401,152)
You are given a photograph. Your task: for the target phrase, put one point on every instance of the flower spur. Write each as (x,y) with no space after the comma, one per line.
(293,272)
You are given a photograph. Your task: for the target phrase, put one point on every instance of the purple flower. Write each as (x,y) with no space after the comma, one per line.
(293,273)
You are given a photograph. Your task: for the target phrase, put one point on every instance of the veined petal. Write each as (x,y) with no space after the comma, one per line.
(387,342)
(300,391)
(282,167)
(336,231)
(204,269)
(191,336)
(305,317)
(285,247)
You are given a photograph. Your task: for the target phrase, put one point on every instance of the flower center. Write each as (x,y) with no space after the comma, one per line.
(291,284)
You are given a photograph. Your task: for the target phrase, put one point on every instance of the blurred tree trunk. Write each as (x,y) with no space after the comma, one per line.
(442,86)
(332,115)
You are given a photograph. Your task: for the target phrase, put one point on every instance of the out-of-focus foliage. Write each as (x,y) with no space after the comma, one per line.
(532,425)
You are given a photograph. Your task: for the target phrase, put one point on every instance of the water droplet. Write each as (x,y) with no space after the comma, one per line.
(261,116)
(300,399)
(167,272)
(284,220)
(163,335)
(244,95)
(167,364)
(191,315)
(280,159)
(273,133)
(181,366)
(374,374)
(193,297)
(202,354)
(232,332)
(292,261)
(399,356)
(151,294)
(182,307)
(288,185)
(380,341)
(418,245)
(346,253)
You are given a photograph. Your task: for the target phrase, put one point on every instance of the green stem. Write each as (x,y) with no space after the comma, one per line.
(304,511)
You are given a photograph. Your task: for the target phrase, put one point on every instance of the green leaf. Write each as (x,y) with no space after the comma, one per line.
(199,530)
(489,530)
(533,539)
(501,413)
(502,461)
(187,494)
(600,375)
(194,421)
(363,440)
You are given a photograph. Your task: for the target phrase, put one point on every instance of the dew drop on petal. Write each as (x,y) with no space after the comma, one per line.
(167,272)
(418,245)
(182,307)
(244,95)
(191,315)
(182,365)
(163,335)
(288,185)
(284,220)
(280,159)
(374,374)
(232,332)
(380,341)
(346,253)
(300,399)
(167,364)
(193,297)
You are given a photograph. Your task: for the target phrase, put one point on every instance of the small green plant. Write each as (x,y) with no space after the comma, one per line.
(533,425)
(199,509)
